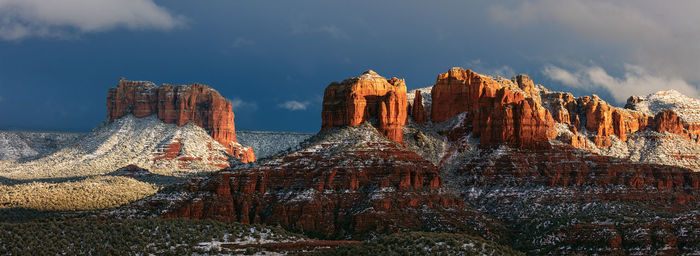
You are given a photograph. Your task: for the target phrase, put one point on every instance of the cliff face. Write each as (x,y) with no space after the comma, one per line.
(366,97)
(354,183)
(603,120)
(498,112)
(179,105)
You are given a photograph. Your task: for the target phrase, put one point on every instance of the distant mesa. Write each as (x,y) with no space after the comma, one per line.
(179,104)
(368,97)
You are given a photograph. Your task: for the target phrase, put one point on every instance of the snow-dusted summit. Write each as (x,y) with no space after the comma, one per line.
(686,107)
(162,148)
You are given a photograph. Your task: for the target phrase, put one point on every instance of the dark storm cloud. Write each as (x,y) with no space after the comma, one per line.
(657,41)
(266,54)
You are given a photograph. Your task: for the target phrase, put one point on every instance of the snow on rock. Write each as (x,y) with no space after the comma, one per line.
(346,181)
(425,92)
(686,107)
(267,143)
(147,142)
(25,144)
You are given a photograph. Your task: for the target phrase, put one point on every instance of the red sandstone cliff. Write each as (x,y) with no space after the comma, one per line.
(512,112)
(369,96)
(179,105)
(495,113)
(604,120)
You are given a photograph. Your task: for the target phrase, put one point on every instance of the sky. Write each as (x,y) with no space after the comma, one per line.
(273,59)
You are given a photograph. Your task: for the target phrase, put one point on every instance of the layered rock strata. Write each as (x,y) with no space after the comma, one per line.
(496,111)
(351,181)
(602,120)
(179,104)
(368,97)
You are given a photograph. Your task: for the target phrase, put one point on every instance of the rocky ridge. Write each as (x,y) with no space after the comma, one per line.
(563,199)
(541,171)
(342,183)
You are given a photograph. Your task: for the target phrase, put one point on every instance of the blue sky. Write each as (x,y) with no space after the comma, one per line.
(273,59)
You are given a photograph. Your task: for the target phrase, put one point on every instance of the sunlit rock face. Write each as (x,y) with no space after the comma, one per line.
(496,111)
(363,98)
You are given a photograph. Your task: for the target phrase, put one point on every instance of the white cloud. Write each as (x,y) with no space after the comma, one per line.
(660,36)
(478,66)
(238,104)
(561,75)
(294,105)
(21,19)
(635,81)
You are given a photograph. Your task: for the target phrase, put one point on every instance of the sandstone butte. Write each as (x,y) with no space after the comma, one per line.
(179,104)
(496,111)
(364,98)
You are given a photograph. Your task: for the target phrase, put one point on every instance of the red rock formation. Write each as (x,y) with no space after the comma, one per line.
(356,100)
(179,105)
(330,189)
(565,166)
(170,152)
(495,114)
(604,120)
(563,178)
(458,91)
(668,121)
(525,83)
(417,110)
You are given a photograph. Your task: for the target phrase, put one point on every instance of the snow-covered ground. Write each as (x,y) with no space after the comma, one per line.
(25,144)
(686,107)
(267,143)
(125,141)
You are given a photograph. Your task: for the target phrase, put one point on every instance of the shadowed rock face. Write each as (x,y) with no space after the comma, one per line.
(417,110)
(366,97)
(179,105)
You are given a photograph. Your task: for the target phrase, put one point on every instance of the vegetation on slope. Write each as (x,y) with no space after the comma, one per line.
(425,243)
(119,237)
(89,194)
